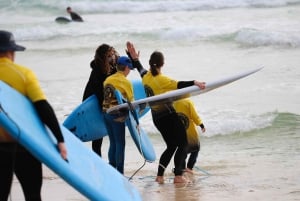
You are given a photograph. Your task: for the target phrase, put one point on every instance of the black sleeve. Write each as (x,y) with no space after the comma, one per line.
(48,117)
(202,126)
(95,86)
(76,17)
(183,84)
(137,64)
(99,87)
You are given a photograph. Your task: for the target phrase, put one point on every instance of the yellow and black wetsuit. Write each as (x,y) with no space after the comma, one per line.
(190,118)
(116,129)
(118,82)
(167,121)
(14,158)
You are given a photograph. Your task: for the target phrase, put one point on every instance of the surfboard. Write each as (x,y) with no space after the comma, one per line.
(86,120)
(139,136)
(85,171)
(182,93)
(62,20)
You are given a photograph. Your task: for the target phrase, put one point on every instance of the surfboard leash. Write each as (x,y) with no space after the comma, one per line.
(131,177)
(141,150)
(202,170)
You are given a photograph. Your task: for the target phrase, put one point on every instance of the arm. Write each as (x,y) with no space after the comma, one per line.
(48,117)
(183,84)
(134,56)
(195,116)
(203,129)
(95,85)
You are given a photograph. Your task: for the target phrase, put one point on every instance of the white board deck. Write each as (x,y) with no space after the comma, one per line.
(184,92)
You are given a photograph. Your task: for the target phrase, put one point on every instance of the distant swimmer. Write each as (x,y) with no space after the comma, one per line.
(74,16)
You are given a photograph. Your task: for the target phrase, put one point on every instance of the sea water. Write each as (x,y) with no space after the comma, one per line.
(251,147)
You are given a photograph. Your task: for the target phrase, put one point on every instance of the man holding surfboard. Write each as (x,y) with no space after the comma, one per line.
(164,116)
(14,157)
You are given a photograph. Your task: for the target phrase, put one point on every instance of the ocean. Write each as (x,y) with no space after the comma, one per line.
(250,149)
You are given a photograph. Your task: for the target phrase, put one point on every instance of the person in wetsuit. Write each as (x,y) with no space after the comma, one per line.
(115,126)
(190,118)
(14,158)
(164,116)
(103,65)
(74,16)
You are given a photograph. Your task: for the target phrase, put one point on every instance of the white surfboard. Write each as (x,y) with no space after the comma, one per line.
(182,93)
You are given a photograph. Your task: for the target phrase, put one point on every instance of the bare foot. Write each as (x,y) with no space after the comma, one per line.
(188,170)
(180,179)
(160,179)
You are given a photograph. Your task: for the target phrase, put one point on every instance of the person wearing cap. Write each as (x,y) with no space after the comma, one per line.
(186,111)
(164,116)
(103,65)
(14,157)
(74,16)
(115,127)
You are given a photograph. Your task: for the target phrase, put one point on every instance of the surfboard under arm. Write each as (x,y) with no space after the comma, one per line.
(184,92)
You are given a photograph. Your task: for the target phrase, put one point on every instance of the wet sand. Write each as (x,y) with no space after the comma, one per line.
(233,175)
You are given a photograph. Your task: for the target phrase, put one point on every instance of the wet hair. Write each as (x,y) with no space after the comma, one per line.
(156,61)
(101,58)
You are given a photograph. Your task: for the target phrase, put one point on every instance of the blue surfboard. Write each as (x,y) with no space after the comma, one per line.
(139,136)
(85,170)
(86,120)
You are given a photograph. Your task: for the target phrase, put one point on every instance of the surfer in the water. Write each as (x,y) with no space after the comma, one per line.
(75,17)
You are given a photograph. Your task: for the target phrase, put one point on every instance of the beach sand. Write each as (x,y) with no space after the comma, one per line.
(231,174)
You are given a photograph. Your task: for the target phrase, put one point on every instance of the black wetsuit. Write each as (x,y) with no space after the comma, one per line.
(16,159)
(95,86)
(172,131)
(76,17)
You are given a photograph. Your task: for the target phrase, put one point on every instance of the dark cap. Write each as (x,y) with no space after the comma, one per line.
(7,42)
(125,61)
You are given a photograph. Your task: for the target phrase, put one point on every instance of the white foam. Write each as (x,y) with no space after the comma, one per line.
(253,37)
